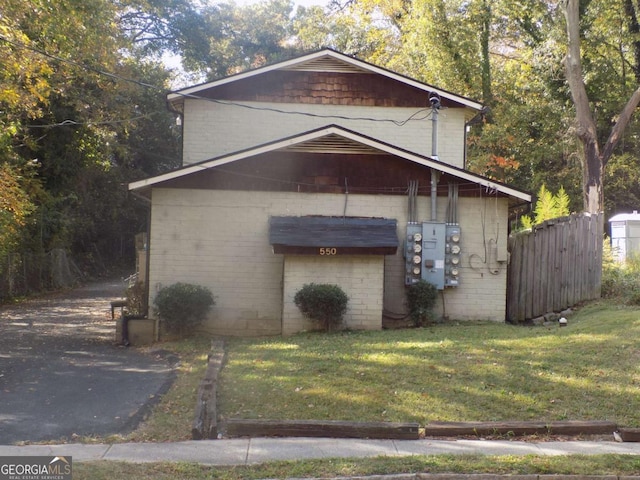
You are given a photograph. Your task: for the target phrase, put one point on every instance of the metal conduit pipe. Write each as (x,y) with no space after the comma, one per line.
(455,203)
(415,203)
(434,194)
(412,193)
(434,99)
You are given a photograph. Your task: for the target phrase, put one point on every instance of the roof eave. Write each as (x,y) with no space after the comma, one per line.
(142,185)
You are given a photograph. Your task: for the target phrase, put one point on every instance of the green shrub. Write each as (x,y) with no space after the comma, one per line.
(634,299)
(548,206)
(421,298)
(620,280)
(323,303)
(183,306)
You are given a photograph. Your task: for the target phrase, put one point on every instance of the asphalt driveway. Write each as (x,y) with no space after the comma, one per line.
(62,374)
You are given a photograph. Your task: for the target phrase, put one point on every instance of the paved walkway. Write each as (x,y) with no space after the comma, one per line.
(248,451)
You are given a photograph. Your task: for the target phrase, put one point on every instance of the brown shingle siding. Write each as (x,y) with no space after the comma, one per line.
(326,88)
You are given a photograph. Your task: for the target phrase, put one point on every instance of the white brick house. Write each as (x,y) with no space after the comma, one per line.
(325,137)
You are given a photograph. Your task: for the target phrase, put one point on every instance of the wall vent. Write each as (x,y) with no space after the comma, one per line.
(327,64)
(335,144)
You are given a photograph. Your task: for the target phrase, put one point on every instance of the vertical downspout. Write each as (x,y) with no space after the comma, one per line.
(147,266)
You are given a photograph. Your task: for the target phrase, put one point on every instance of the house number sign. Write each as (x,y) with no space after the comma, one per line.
(328,251)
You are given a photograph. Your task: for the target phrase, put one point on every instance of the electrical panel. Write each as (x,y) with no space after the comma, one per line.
(433,246)
(432,253)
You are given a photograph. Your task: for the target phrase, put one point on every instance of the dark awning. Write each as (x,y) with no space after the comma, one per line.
(333,235)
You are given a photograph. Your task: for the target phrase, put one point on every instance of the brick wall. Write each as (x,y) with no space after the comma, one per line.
(361,278)
(212,129)
(220,239)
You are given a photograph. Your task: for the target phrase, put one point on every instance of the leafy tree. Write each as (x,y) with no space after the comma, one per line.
(596,153)
(510,55)
(157,27)
(15,207)
(352,33)
(83,106)
(622,178)
(82,120)
(241,37)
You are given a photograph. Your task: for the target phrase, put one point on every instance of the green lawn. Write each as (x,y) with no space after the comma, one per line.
(589,370)
(340,467)
(468,372)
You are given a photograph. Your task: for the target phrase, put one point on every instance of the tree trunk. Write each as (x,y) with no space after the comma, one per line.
(593,173)
(586,127)
(595,159)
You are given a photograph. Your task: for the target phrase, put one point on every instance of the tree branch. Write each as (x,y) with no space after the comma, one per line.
(619,127)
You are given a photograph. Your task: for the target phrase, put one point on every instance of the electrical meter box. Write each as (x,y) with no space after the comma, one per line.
(432,253)
(413,253)
(452,251)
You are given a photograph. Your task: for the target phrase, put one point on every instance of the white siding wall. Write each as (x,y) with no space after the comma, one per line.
(220,239)
(212,129)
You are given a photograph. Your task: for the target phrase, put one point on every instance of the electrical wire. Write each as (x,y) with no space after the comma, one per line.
(399,123)
(419,115)
(490,245)
(66,123)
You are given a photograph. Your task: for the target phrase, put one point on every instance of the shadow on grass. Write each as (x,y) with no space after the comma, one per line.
(490,372)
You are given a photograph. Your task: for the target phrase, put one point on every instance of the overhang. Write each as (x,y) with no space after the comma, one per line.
(341,140)
(330,236)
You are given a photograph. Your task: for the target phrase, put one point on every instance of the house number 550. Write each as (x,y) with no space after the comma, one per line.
(328,251)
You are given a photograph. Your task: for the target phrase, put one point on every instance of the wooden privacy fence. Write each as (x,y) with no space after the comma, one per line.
(555,266)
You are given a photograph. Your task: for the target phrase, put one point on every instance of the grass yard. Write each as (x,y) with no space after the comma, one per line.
(340,467)
(589,370)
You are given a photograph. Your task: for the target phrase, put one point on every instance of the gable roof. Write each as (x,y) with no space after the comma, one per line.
(336,139)
(326,60)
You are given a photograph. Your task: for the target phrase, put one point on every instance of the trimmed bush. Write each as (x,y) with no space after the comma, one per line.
(183,306)
(421,298)
(324,303)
